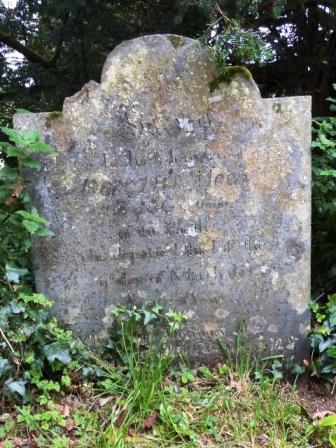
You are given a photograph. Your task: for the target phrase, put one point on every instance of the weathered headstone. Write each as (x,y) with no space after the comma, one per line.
(172,184)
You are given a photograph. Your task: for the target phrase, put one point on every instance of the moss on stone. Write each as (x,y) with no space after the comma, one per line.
(52,116)
(228,74)
(177,41)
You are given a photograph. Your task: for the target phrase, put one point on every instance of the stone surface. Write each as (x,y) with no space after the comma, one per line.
(164,189)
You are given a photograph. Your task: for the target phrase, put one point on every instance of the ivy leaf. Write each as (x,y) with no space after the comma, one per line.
(315,339)
(331,351)
(55,350)
(16,308)
(4,366)
(148,317)
(18,386)
(13,274)
(37,299)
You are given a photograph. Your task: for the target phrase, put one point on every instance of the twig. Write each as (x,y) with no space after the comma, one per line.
(4,337)
(224,16)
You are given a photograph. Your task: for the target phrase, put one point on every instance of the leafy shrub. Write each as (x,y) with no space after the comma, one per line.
(324,200)
(323,339)
(34,351)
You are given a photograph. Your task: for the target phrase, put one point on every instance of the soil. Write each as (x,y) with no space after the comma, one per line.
(317,399)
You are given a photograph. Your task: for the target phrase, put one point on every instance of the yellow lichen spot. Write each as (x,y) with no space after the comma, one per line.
(211,327)
(94,187)
(274,157)
(221,313)
(205,239)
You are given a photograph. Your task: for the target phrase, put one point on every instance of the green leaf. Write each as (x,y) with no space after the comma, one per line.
(31,163)
(12,151)
(44,232)
(31,216)
(13,274)
(148,317)
(37,299)
(16,308)
(187,377)
(10,174)
(13,135)
(4,366)
(18,386)
(31,226)
(56,350)
(329,420)
(22,111)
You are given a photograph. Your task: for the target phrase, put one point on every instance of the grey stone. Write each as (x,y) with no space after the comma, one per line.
(171,184)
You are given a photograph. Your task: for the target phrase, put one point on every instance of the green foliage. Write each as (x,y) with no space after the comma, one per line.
(135,329)
(323,339)
(139,339)
(324,430)
(32,345)
(324,200)
(235,45)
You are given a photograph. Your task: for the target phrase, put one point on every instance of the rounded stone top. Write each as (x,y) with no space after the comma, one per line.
(139,61)
(167,69)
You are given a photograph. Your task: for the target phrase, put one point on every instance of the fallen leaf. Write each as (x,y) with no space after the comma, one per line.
(4,417)
(131,431)
(263,440)
(18,442)
(103,401)
(149,421)
(17,189)
(59,408)
(71,425)
(66,410)
(10,200)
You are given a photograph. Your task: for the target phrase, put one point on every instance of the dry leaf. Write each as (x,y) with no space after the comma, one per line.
(70,424)
(149,421)
(4,417)
(17,189)
(59,408)
(18,442)
(131,431)
(66,410)
(263,440)
(103,401)
(10,200)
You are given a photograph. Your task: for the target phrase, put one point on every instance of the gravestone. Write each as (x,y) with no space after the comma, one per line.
(174,184)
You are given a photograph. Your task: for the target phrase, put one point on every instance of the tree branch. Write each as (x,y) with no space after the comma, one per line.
(29,54)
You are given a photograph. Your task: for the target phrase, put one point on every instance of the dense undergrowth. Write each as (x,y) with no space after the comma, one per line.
(137,391)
